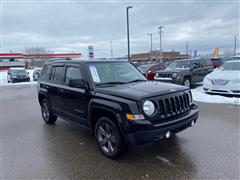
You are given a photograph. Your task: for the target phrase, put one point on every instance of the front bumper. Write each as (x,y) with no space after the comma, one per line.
(15,80)
(152,132)
(229,89)
(170,80)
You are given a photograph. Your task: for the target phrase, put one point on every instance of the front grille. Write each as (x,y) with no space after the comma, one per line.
(219,91)
(174,105)
(164,75)
(236,91)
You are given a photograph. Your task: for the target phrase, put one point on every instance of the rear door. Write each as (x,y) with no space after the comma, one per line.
(196,72)
(55,88)
(202,70)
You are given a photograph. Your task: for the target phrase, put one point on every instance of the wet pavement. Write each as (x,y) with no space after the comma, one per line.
(32,149)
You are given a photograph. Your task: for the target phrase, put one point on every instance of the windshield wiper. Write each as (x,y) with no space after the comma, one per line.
(136,80)
(111,83)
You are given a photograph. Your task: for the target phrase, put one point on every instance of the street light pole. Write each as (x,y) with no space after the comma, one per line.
(150,34)
(187,49)
(160,45)
(235,44)
(111,49)
(128,41)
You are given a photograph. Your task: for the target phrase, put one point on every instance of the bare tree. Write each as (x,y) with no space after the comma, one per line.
(38,58)
(37,50)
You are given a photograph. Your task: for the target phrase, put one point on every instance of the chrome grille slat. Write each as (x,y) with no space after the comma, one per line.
(165,75)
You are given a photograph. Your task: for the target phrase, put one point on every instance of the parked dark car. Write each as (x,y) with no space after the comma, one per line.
(148,70)
(15,75)
(36,73)
(185,72)
(115,102)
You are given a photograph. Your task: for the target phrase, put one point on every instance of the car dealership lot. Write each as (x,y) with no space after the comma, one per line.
(32,149)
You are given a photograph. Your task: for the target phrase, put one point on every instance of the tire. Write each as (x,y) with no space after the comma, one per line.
(109,139)
(187,82)
(47,116)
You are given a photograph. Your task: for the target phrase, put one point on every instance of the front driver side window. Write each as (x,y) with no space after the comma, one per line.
(72,73)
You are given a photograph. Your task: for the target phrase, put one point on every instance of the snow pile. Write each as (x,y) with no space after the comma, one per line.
(199,95)
(3,77)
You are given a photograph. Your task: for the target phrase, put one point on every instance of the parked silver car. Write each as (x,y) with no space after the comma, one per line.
(225,80)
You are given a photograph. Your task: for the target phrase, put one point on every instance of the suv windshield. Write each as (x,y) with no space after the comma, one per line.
(19,71)
(231,66)
(180,64)
(109,73)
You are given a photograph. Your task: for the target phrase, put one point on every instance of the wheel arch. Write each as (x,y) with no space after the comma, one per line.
(103,108)
(41,96)
(187,76)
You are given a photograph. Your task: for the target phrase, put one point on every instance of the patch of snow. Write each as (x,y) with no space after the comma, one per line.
(3,77)
(20,83)
(199,95)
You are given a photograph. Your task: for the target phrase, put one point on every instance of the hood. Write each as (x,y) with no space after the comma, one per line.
(176,70)
(141,90)
(225,75)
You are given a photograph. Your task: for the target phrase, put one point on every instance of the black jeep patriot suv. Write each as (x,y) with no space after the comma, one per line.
(114,101)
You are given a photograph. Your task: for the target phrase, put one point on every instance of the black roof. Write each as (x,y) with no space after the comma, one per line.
(77,60)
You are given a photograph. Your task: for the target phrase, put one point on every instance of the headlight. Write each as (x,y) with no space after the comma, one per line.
(174,75)
(148,107)
(14,76)
(207,80)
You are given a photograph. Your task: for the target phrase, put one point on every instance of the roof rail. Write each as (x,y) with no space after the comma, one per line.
(58,59)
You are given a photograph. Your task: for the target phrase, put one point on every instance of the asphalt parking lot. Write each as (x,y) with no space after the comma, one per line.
(32,149)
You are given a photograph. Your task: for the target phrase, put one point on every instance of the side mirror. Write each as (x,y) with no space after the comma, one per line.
(195,66)
(77,83)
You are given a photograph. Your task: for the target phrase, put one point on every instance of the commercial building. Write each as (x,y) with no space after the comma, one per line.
(156,55)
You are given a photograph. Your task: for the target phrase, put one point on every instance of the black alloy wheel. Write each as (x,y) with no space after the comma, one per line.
(108,138)
(48,117)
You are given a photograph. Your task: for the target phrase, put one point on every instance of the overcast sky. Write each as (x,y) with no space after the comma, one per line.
(66,26)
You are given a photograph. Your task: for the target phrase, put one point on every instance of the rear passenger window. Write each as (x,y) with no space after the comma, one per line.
(209,63)
(45,73)
(201,63)
(72,73)
(58,74)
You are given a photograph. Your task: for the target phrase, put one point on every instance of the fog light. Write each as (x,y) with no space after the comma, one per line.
(192,123)
(168,134)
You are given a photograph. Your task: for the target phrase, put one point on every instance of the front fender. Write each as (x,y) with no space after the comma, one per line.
(112,107)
